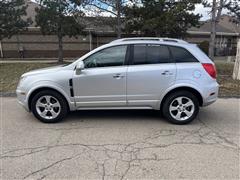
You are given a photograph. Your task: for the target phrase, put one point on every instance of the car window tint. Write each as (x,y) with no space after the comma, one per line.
(113,56)
(158,54)
(140,54)
(182,55)
(151,54)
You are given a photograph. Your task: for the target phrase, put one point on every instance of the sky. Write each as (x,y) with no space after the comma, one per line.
(205,11)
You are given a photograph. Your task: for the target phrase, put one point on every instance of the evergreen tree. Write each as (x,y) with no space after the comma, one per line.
(11,17)
(61,18)
(162,18)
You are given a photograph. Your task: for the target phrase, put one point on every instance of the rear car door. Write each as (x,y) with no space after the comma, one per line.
(150,73)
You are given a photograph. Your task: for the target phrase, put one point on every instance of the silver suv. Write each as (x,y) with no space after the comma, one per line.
(163,74)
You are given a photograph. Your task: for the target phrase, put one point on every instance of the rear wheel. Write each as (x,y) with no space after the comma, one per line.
(49,106)
(181,107)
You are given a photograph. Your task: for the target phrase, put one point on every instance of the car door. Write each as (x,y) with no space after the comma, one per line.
(151,72)
(102,82)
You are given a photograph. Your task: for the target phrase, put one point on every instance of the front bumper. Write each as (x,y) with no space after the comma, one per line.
(22,100)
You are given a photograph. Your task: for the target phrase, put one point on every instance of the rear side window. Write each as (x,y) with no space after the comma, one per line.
(151,54)
(181,55)
(140,54)
(158,54)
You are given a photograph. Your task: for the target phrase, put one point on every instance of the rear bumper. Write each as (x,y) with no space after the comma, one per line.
(210,94)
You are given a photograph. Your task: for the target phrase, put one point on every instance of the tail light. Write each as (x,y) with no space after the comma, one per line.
(211,70)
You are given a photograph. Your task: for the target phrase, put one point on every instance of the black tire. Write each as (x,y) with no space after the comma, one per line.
(63,110)
(171,98)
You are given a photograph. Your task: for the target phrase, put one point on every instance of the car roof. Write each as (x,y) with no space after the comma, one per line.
(149,40)
(156,39)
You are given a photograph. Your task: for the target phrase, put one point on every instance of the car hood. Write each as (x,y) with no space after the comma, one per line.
(43,70)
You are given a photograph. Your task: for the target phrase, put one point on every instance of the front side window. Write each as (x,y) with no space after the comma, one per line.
(181,55)
(151,54)
(113,56)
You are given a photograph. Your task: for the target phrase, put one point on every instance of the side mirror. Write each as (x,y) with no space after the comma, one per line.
(79,67)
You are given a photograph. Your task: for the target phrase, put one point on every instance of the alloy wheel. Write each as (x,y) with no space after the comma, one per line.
(48,107)
(181,108)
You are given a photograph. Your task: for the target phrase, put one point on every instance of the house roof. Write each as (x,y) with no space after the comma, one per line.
(205,28)
(226,25)
(230,22)
(99,24)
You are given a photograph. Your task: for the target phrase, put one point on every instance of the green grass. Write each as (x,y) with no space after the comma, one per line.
(228,86)
(224,68)
(10,74)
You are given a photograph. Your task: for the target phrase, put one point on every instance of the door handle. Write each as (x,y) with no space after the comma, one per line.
(167,73)
(118,76)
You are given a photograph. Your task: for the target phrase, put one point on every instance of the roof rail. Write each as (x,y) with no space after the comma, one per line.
(149,39)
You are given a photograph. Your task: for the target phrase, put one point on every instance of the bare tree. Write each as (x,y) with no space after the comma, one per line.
(236,70)
(112,7)
(118,8)
(234,7)
(59,17)
(216,12)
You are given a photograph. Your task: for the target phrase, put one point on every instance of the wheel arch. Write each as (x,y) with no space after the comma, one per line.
(186,88)
(39,89)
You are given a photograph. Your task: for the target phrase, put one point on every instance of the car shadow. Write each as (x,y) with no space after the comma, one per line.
(128,115)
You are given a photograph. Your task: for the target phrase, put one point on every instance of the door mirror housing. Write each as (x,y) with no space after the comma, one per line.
(80,66)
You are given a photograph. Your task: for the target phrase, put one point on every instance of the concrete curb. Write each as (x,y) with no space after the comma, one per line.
(8,94)
(13,94)
(228,97)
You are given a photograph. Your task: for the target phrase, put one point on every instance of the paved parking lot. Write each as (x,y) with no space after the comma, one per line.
(120,145)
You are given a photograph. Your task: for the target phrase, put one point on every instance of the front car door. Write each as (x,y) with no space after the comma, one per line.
(151,72)
(102,83)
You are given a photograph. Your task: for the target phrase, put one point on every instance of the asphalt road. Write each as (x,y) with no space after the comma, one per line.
(120,145)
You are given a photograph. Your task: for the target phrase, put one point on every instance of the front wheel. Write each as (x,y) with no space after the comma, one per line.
(181,107)
(49,106)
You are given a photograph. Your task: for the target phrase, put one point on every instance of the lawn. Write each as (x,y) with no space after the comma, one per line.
(228,86)
(10,74)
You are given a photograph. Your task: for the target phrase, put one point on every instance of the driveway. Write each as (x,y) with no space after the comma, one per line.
(120,145)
